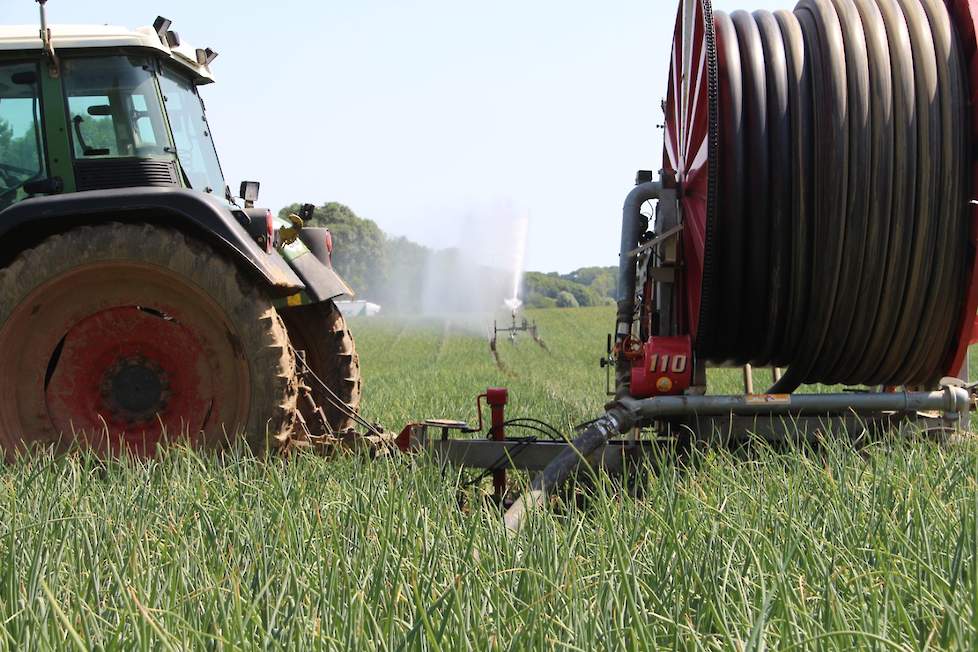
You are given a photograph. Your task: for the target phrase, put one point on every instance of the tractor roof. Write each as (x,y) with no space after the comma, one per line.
(27,37)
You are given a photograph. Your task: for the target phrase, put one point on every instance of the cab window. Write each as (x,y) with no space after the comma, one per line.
(192,134)
(114,108)
(21,150)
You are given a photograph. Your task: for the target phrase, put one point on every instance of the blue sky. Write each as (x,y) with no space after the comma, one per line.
(420,114)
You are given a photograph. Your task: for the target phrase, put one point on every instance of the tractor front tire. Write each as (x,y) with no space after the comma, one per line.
(321,332)
(118,337)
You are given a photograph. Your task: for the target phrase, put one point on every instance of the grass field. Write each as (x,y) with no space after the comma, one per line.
(841,549)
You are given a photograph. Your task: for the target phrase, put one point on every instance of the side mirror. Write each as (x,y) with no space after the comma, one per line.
(249,193)
(49,186)
(99,110)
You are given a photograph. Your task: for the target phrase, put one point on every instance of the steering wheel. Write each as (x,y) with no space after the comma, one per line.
(14,168)
(8,172)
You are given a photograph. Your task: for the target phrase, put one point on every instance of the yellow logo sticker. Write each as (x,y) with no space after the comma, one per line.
(769,399)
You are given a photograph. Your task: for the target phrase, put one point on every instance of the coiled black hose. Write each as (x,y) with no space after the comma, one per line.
(843,186)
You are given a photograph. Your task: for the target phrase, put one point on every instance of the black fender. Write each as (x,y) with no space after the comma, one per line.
(30,221)
(316,267)
(309,258)
(322,281)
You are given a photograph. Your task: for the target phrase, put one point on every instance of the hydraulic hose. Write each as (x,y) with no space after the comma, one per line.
(843,186)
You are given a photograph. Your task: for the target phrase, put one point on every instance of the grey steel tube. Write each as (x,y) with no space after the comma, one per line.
(633,225)
(627,412)
(949,400)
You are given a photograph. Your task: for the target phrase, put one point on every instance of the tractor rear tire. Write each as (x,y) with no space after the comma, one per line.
(321,331)
(119,337)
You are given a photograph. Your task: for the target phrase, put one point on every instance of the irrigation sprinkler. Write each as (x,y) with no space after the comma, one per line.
(512,332)
(518,325)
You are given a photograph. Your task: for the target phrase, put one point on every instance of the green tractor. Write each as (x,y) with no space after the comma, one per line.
(141,302)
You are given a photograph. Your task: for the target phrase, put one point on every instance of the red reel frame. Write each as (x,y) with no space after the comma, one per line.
(965,15)
(690,145)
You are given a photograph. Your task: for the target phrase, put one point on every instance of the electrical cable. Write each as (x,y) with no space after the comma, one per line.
(503,462)
(549,429)
(335,400)
(543,428)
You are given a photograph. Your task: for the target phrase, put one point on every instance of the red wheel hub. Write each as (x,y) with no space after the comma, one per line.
(132,374)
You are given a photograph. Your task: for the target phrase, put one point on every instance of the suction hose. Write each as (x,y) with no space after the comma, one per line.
(842,204)
(616,421)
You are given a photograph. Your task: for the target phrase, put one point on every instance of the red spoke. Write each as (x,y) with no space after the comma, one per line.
(697,119)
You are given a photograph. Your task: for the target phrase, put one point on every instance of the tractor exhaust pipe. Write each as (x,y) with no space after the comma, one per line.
(633,225)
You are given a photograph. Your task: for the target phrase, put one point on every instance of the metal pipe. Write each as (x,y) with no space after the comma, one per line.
(626,413)
(748,379)
(45,31)
(950,400)
(47,44)
(633,225)
(965,375)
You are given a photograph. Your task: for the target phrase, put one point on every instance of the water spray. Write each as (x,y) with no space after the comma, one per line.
(522,232)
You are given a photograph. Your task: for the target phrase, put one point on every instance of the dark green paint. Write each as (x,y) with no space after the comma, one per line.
(56,129)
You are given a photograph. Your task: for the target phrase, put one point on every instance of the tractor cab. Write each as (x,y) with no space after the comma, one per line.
(91,117)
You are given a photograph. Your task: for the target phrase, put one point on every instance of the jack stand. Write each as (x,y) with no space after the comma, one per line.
(497,399)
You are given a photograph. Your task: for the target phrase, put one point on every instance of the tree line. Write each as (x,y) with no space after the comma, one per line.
(394,271)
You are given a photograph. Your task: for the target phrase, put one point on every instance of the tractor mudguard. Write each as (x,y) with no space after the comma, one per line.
(28,222)
(322,281)
(309,258)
